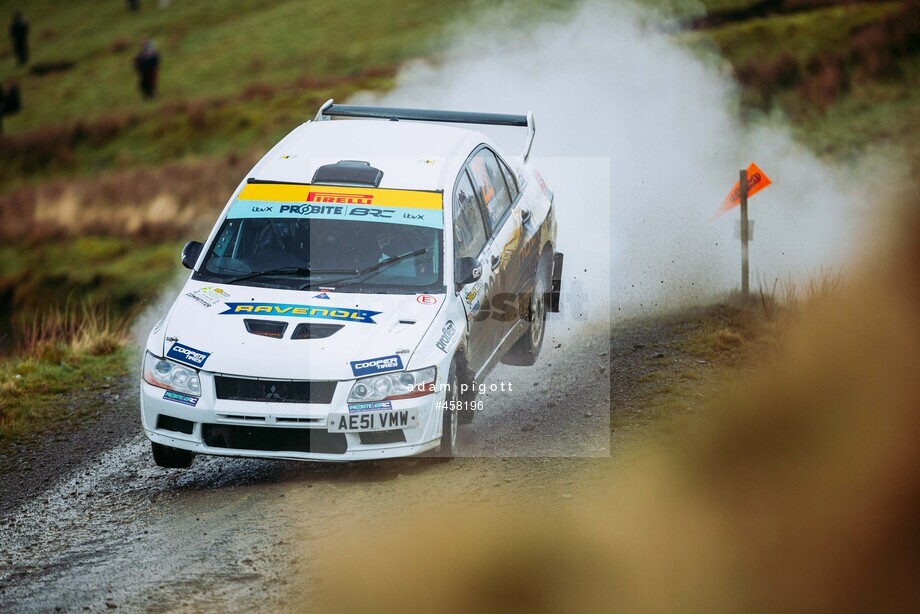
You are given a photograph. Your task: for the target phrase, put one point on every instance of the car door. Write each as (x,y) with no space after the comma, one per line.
(521,250)
(505,237)
(470,239)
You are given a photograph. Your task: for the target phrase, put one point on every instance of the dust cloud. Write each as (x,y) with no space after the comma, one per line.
(609,83)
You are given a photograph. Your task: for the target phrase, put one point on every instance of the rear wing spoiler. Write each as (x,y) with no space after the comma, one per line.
(330,110)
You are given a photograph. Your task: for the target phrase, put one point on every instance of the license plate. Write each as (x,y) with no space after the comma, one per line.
(373,421)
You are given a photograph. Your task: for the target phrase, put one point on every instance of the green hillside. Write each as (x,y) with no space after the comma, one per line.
(234,75)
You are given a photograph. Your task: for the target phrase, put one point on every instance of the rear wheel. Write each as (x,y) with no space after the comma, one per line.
(171,458)
(451,418)
(525,352)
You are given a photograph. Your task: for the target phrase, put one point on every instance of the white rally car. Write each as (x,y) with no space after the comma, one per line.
(362,279)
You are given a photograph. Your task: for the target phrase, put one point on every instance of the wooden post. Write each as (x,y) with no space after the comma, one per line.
(745,287)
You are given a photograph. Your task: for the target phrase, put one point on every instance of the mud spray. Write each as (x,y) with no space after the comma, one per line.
(608,83)
(155,309)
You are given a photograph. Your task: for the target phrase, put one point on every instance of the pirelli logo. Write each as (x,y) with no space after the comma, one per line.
(265,193)
(338,197)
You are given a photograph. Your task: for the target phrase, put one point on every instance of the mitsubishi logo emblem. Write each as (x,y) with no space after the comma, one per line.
(273,393)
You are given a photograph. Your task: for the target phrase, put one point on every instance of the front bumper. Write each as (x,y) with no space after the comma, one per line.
(297,431)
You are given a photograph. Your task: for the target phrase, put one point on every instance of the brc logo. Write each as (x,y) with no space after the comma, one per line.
(336,197)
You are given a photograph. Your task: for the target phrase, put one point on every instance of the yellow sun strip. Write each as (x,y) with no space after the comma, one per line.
(371,197)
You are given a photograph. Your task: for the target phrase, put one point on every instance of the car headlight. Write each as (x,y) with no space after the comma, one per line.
(171,376)
(393,386)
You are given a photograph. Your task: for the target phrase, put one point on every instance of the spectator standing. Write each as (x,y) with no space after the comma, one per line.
(147,64)
(19,34)
(10,101)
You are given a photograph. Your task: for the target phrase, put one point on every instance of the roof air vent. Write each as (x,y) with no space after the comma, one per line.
(348,172)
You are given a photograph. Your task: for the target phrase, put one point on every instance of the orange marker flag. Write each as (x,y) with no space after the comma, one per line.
(756,180)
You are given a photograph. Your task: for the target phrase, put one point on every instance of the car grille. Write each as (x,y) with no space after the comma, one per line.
(177,425)
(273,439)
(371,438)
(274,391)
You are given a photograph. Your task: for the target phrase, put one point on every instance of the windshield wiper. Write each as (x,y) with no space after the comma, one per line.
(288,271)
(359,273)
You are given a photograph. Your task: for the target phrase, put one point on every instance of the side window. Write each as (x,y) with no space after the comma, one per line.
(490,184)
(469,230)
(510,180)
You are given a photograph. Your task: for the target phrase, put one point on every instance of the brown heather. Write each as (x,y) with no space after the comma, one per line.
(74,329)
(874,51)
(149,204)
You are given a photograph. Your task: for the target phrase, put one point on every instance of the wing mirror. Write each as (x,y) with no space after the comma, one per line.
(190,254)
(468,271)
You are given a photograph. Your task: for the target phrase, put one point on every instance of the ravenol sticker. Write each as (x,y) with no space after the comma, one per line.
(376,365)
(302,311)
(375,406)
(187,355)
(176,397)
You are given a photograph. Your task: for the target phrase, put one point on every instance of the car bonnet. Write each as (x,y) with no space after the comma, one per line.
(222,329)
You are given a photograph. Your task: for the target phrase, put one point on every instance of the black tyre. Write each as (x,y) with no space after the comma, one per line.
(468,397)
(451,418)
(171,458)
(524,353)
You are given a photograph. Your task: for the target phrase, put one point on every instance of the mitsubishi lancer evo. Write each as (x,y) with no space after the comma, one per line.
(362,280)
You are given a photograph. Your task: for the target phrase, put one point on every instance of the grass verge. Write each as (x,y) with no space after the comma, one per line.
(96,274)
(709,351)
(50,393)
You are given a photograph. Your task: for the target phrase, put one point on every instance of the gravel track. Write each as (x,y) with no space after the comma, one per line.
(88,521)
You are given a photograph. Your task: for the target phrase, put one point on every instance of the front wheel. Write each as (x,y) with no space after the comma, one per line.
(451,418)
(524,353)
(171,458)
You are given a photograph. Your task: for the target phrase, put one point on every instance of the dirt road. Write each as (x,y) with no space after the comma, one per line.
(113,530)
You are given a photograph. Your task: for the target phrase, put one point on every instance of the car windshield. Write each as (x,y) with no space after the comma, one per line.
(367,242)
